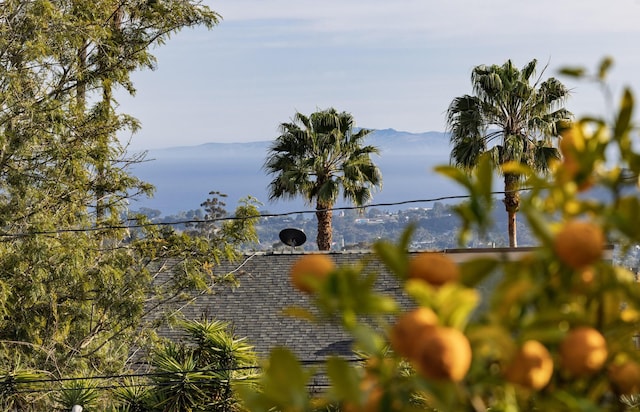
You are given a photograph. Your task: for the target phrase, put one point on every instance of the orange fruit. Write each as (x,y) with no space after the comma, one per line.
(579,244)
(442,353)
(583,351)
(310,266)
(433,267)
(625,378)
(531,366)
(407,329)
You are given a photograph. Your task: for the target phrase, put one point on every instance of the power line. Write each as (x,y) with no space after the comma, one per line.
(177,374)
(304,362)
(228,218)
(626,178)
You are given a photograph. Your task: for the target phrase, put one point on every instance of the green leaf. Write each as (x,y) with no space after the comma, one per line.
(394,258)
(285,381)
(474,271)
(605,65)
(573,402)
(623,120)
(484,176)
(382,304)
(489,338)
(422,292)
(368,339)
(452,302)
(345,380)
(516,168)
(405,237)
(512,293)
(539,225)
(573,71)
(455,303)
(300,313)
(456,174)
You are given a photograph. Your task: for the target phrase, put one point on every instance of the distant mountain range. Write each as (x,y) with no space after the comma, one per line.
(183,176)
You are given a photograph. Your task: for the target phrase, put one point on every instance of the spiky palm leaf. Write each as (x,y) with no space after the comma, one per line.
(511,115)
(318,156)
(199,372)
(134,395)
(181,383)
(81,392)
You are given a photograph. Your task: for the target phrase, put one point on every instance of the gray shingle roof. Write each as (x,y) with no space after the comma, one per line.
(254,309)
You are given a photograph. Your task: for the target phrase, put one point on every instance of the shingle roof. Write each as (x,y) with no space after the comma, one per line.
(255,308)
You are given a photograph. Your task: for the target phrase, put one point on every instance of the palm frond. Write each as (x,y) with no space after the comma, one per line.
(318,156)
(529,70)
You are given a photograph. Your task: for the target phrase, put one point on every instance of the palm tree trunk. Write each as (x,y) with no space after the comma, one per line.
(511,204)
(324,215)
(513,241)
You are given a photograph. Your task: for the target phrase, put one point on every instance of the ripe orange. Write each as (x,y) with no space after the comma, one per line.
(583,351)
(442,353)
(579,244)
(625,378)
(407,329)
(433,267)
(531,367)
(310,266)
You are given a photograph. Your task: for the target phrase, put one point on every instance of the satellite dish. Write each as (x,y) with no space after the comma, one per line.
(292,237)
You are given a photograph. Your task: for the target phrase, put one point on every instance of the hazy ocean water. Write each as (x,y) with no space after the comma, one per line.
(183,176)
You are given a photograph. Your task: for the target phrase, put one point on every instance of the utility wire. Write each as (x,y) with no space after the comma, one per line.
(304,362)
(629,178)
(177,374)
(226,218)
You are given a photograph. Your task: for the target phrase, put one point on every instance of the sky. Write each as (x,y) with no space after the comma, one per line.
(391,64)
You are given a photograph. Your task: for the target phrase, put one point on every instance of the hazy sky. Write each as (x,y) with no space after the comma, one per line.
(392,64)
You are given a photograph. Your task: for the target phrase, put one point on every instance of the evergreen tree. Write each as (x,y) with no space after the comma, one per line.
(75,282)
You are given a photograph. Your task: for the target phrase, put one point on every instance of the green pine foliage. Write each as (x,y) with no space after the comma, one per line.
(75,282)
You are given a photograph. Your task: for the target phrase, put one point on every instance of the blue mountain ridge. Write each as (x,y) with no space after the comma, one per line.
(184,175)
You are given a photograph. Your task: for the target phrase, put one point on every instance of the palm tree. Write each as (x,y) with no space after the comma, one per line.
(318,156)
(512,120)
(197,373)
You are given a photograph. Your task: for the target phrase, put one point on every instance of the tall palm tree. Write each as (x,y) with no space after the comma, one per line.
(318,156)
(510,118)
